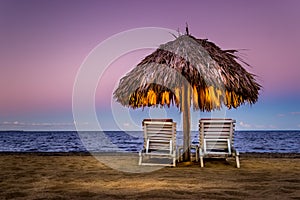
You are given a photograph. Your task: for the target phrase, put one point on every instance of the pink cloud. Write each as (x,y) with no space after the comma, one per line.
(295,113)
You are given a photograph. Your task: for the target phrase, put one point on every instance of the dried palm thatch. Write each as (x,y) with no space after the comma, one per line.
(213,75)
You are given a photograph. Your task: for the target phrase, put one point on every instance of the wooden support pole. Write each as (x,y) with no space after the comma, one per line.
(186,118)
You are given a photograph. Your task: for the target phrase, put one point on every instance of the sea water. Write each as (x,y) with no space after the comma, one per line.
(132,141)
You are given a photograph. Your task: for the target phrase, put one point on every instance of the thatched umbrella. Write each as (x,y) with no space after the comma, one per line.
(188,70)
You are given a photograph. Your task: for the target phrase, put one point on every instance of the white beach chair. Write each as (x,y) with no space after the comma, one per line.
(159,143)
(216,139)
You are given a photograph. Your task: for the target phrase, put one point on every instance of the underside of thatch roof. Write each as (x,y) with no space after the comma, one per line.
(214,77)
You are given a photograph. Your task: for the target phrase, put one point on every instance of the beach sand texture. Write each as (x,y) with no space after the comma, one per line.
(32,176)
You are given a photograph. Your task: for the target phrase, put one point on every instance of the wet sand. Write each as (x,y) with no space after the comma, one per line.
(80,176)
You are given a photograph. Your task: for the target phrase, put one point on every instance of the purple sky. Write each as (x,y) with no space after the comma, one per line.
(44,43)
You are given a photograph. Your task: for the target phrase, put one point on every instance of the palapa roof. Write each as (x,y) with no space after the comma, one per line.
(214,76)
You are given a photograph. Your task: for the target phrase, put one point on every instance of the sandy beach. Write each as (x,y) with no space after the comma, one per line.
(77,176)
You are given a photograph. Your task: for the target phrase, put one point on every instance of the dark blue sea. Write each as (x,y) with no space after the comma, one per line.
(119,141)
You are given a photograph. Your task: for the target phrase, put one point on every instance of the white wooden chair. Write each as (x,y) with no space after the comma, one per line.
(159,142)
(216,139)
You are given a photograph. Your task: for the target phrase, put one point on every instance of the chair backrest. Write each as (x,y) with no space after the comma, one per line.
(159,135)
(216,135)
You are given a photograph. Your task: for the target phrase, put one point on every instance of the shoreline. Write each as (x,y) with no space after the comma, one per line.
(242,155)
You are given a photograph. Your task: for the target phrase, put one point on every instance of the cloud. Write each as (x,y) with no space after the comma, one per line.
(50,124)
(126,125)
(17,123)
(290,113)
(245,125)
(259,126)
(272,126)
(295,113)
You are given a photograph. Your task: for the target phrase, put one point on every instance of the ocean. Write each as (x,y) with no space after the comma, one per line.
(132,141)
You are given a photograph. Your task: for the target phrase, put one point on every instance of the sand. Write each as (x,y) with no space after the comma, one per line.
(75,176)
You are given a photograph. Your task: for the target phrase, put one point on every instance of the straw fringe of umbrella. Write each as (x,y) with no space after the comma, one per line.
(215,77)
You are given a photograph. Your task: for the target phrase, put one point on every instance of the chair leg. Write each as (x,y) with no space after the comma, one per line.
(237,159)
(197,154)
(180,154)
(174,161)
(140,158)
(178,157)
(174,158)
(201,157)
